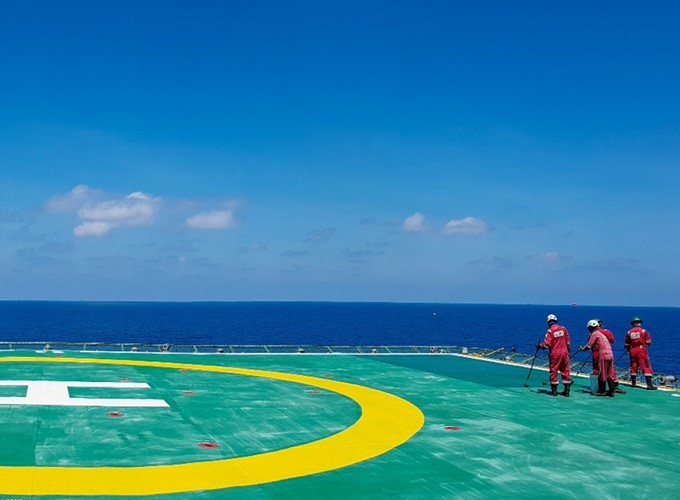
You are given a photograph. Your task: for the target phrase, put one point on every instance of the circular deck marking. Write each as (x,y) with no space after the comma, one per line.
(386,422)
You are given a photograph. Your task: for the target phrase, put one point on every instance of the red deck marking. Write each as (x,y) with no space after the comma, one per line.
(183,370)
(452,428)
(187,393)
(125,380)
(313,391)
(328,376)
(208,445)
(114,414)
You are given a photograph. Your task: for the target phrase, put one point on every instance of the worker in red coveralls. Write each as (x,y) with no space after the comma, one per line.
(636,343)
(605,332)
(606,374)
(596,354)
(557,340)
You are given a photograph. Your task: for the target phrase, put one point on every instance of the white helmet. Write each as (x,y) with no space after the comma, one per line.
(593,323)
(551,317)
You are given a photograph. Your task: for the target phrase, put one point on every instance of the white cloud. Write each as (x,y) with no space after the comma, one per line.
(74,199)
(100,213)
(95,229)
(414,223)
(469,226)
(216,219)
(136,209)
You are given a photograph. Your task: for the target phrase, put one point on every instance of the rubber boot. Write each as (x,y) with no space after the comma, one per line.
(553,389)
(650,386)
(567,388)
(632,380)
(601,388)
(612,388)
(617,388)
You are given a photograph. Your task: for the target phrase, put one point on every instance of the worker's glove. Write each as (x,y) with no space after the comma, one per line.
(583,348)
(539,346)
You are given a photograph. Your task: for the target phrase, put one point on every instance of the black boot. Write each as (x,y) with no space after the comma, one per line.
(601,388)
(617,388)
(612,388)
(650,386)
(567,387)
(632,380)
(553,389)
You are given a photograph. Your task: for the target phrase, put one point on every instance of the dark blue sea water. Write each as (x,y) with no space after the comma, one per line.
(329,323)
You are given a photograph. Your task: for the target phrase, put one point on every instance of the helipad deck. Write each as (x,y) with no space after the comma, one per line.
(177,426)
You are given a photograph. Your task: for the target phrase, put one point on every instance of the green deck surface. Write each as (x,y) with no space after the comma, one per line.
(509,441)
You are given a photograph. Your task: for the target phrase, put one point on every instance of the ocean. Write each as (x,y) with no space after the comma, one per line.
(332,323)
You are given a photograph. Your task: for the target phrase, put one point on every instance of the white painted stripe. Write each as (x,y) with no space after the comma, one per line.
(56,393)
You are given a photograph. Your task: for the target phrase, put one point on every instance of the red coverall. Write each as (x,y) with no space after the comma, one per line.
(596,351)
(637,340)
(599,343)
(557,340)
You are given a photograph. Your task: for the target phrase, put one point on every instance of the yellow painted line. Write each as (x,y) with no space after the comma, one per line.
(386,422)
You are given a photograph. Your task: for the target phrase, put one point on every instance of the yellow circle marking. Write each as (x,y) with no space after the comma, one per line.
(386,422)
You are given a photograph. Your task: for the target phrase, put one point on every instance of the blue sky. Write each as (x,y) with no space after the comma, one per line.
(494,152)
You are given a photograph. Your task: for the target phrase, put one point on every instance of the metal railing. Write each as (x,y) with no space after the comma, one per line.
(499,354)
